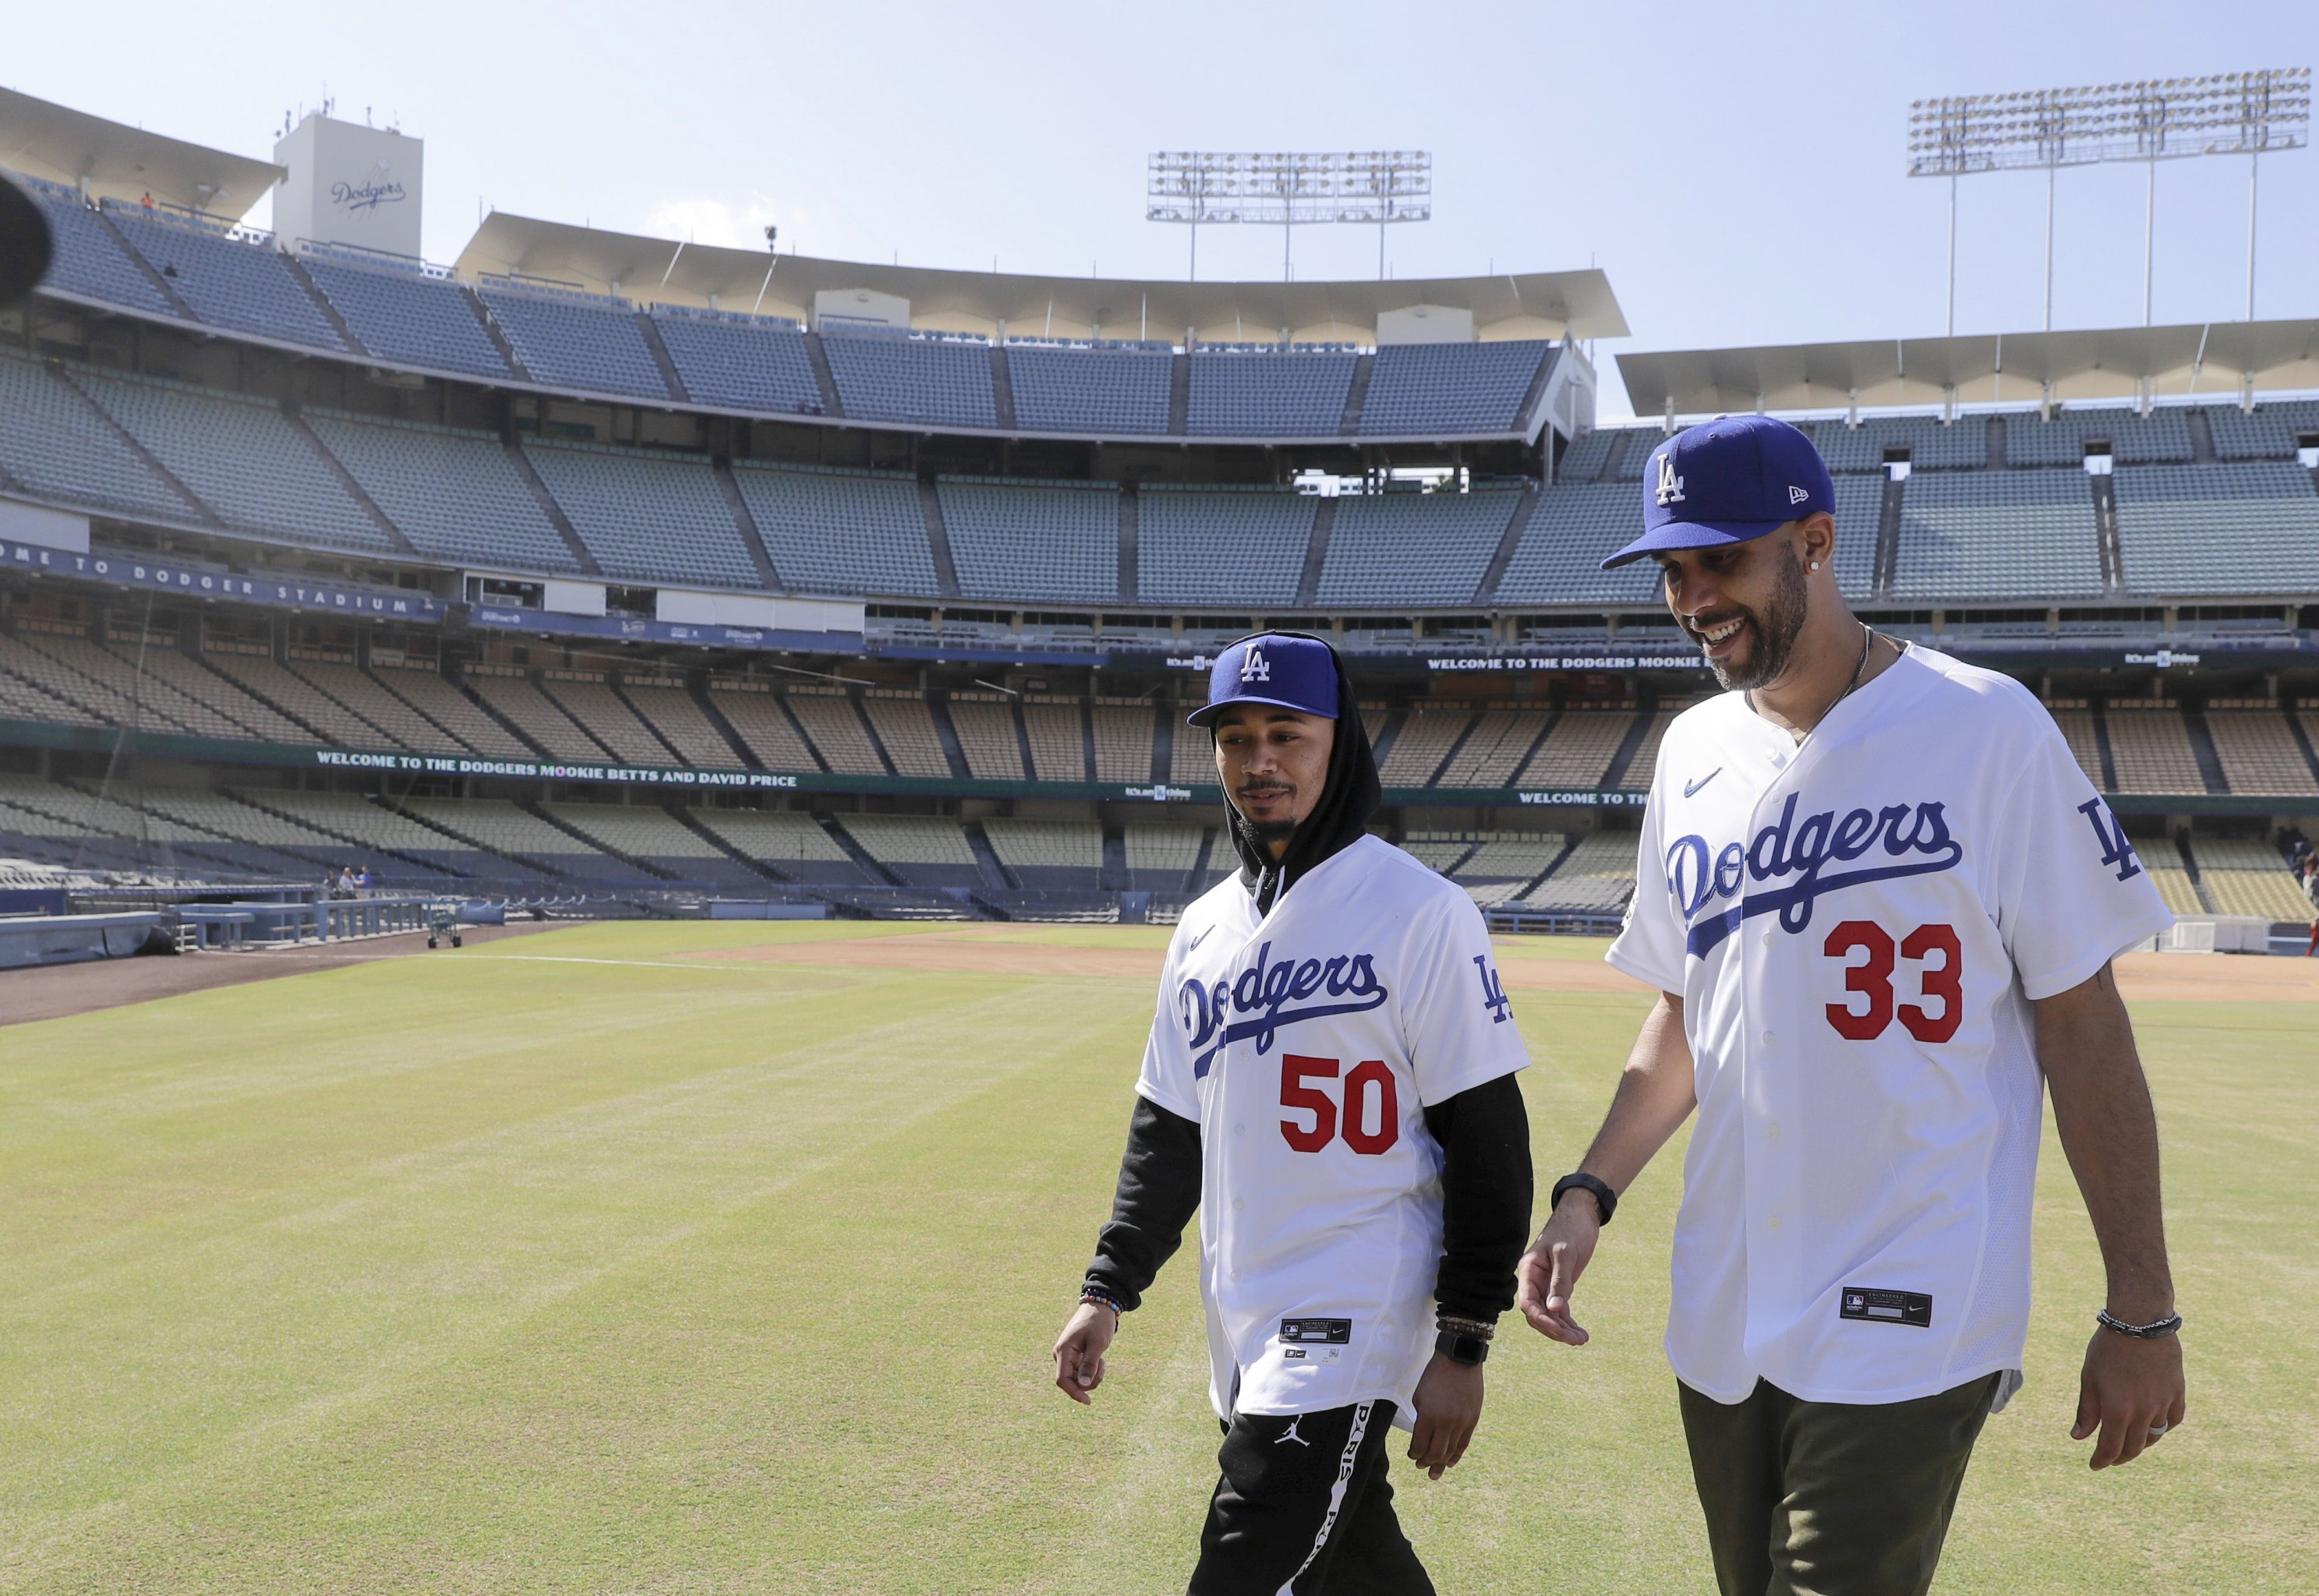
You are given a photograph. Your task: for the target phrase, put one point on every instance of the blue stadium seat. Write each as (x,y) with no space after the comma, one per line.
(841,532)
(2163,437)
(244,458)
(237,283)
(1228,547)
(2268,433)
(1997,534)
(1019,541)
(1282,394)
(892,376)
(1437,389)
(55,445)
(1575,526)
(1113,392)
(1963,445)
(574,340)
(408,317)
(453,493)
(740,363)
(87,260)
(2237,528)
(1395,549)
(646,515)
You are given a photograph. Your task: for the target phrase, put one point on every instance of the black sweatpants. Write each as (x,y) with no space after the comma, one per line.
(1303,1509)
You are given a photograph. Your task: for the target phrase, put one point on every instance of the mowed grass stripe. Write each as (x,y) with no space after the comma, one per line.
(711,1279)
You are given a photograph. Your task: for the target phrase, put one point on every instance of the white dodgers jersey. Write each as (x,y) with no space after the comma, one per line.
(1857,928)
(1307,1043)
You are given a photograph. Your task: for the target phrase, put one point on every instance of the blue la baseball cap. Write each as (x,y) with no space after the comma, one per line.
(1730,480)
(1275,668)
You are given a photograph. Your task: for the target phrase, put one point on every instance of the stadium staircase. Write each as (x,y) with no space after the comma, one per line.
(1388,733)
(824,378)
(1569,847)
(491,714)
(573,542)
(2189,861)
(1179,394)
(2202,436)
(1997,444)
(592,845)
(751,539)
(160,285)
(1357,395)
(1492,574)
(946,734)
(863,860)
(1316,551)
(329,312)
(1629,746)
(1209,841)
(1536,391)
(537,867)
(255,797)
(1614,461)
(2112,557)
(765,868)
(200,513)
(869,730)
(1163,740)
(994,869)
(659,353)
(1002,387)
(1888,539)
(2101,740)
(2202,749)
(496,333)
(1115,877)
(938,538)
(1129,530)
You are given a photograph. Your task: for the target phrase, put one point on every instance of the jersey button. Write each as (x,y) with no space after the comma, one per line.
(1767,939)
(1769,1039)
(1770,1130)
(1235,1205)
(1772,1225)
(1240,1130)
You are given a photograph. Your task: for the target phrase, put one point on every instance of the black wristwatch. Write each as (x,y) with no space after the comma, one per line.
(1469,1351)
(1605,1198)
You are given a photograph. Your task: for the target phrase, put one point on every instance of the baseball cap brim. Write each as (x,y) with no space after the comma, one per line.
(1683,534)
(1206,715)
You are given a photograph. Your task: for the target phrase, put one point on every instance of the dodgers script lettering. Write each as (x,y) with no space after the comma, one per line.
(1263,993)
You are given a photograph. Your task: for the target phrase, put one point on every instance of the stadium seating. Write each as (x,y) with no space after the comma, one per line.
(254,841)
(664,705)
(922,851)
(324,719)
(63,824)
(2011,534)
(2150,747)
(788,844)
(538,719)
(905,726)
(2159,437)
(1636,777)
(1859,521)
(1931,444)
(985,727)
(2269,432)
(587,697)
(1427,734)
(826,715)
(1052,542)
(1056,737)
(1284,393)
(756,715)
(405,315)
(2076,726)
(1112,393)
(1122,739)
(741,363)
(1430,389)
(1220,545)
(1578,749)
(243,457)
(2189,530)
(2244,877)
(579,341)
(658,840)
(455,494)
(500,836)
(1374,557)
(1572,529)
(240,281)
(420,688)
(2257,751)
(87,259)
(647,515)
(160,661)
(840,532)
(55,444)
(1161,857)
(152,696)
(1048,855)
(892,376)
(1495,748)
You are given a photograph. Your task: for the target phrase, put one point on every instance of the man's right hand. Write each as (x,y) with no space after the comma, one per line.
(1548,1272)
(1079,1350)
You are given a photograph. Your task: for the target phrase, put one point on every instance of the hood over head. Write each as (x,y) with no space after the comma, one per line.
(1350,795)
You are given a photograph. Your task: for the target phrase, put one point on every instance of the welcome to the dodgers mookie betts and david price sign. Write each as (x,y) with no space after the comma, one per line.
(438,764)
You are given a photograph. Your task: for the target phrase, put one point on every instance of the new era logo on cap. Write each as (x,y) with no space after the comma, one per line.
(1728,481)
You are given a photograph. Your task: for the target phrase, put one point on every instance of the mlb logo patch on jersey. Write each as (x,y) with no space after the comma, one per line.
(1320,1332)
(1887,1307)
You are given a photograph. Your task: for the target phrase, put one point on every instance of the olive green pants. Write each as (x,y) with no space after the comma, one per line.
(1830,1499)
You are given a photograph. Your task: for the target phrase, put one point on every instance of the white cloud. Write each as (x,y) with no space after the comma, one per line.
(718,223)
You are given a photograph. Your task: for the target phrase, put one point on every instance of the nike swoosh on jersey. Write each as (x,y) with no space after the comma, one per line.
(1689,787)
(1194,945)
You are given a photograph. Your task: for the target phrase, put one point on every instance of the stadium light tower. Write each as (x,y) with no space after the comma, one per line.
(2156,119)
(1288,190)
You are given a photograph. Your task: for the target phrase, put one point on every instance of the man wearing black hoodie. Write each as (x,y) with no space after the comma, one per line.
(1329,1081)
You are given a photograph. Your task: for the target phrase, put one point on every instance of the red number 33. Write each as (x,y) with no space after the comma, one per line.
(1871,979)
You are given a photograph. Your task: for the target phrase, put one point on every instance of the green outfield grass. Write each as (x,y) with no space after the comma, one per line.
(491,1272)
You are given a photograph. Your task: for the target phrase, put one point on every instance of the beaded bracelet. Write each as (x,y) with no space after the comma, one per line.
(2155,1330)
(1479,1328)
(1102,1296)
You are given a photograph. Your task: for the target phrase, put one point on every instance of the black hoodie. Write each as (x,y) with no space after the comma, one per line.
(1484,1133)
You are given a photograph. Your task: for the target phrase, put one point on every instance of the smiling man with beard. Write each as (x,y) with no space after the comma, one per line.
(1330,1080)
(1851,1269)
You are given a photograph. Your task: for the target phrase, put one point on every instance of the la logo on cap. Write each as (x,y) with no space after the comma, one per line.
(1670,484)
(1254,667)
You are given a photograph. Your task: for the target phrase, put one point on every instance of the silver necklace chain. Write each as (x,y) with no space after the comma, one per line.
(1867,642)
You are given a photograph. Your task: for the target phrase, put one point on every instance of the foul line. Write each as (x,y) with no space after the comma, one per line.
(629,963)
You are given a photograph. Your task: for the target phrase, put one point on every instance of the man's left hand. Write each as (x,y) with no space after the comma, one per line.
(1449,1404)
(2130,1389)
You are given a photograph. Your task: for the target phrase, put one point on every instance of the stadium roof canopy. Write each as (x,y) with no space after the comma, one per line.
(2004,368)
(113,160)
(1513,305)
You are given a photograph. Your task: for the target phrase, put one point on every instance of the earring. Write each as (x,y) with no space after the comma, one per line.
(1815,564)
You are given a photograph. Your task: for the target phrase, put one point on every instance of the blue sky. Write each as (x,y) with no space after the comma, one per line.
(1737,169)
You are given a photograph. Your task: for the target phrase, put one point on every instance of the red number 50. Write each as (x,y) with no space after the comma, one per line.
(1369,1080)
(1871,979)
